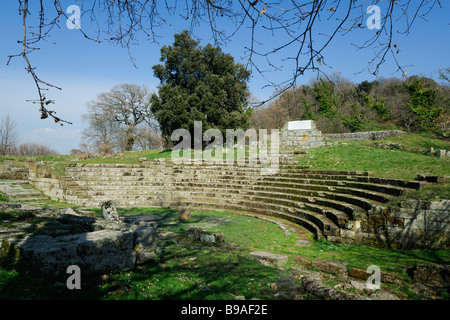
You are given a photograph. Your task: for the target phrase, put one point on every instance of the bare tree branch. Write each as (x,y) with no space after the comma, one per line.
(298,28)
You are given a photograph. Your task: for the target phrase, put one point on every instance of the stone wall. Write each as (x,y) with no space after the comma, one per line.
(305,135)
(360,136)
(414,224)
(9,171)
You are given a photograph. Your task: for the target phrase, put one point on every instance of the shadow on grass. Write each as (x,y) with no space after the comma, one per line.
(167,218)
(187,270)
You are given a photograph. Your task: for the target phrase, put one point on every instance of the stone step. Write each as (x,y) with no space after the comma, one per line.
(286,168)
(371,191)
(390,190)
(78,193)
(362,203)
(339,218)
(233,190)
(23,192)
(325,224)
(394,182)
(98,189)
(348,210)
(31,199)
(332,216)
(13,182)
(372,195)
(342,211)
(274,213)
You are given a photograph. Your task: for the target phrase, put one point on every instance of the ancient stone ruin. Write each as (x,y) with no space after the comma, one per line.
(339,206)
(301,134)
(63,238)
(109,212)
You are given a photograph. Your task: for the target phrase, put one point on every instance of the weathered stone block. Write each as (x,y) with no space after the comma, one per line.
(347,233)
(145,243)
(205,236)
(336,267)
(94,252)
(269,258)
(109,212)
(441,153)
(443,205)
(97,246)
(386,277)
(315,287)
(303,261)
(184,214)
(301,125)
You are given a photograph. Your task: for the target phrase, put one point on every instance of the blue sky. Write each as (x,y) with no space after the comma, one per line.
(84,69)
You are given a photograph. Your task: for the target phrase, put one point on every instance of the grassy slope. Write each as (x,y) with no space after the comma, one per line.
(397,164)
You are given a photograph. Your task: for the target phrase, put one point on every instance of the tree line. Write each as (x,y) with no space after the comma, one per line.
(299,31)
(205,84)
(414,104)
(9,141)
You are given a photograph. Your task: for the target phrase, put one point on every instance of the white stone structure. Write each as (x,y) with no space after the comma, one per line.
(301,134)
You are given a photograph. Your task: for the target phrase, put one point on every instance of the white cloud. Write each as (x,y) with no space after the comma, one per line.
(61,139)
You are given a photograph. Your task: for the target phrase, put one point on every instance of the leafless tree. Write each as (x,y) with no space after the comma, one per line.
(102,131)
(444,74)
(147,138)
(34,149)
(8,135)
(115,115)
(303,29)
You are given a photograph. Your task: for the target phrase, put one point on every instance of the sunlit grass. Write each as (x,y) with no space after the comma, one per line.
(384,163)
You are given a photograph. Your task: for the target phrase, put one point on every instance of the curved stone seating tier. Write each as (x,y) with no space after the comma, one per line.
(330,204)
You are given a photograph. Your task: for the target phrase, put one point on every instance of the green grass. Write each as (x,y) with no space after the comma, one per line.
(257,234)
(384,163)
(358,156)
(416,141)
(192,270)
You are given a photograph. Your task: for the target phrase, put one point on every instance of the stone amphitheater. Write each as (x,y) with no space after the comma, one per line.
(339,206)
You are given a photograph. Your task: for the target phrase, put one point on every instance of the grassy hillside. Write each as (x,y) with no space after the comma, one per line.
(388,163)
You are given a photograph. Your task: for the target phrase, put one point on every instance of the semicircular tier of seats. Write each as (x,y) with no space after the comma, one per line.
(327,203)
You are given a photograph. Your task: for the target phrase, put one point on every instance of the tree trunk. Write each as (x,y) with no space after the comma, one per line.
(130,138)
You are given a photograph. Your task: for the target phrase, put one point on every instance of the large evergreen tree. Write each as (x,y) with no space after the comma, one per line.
(199,84)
